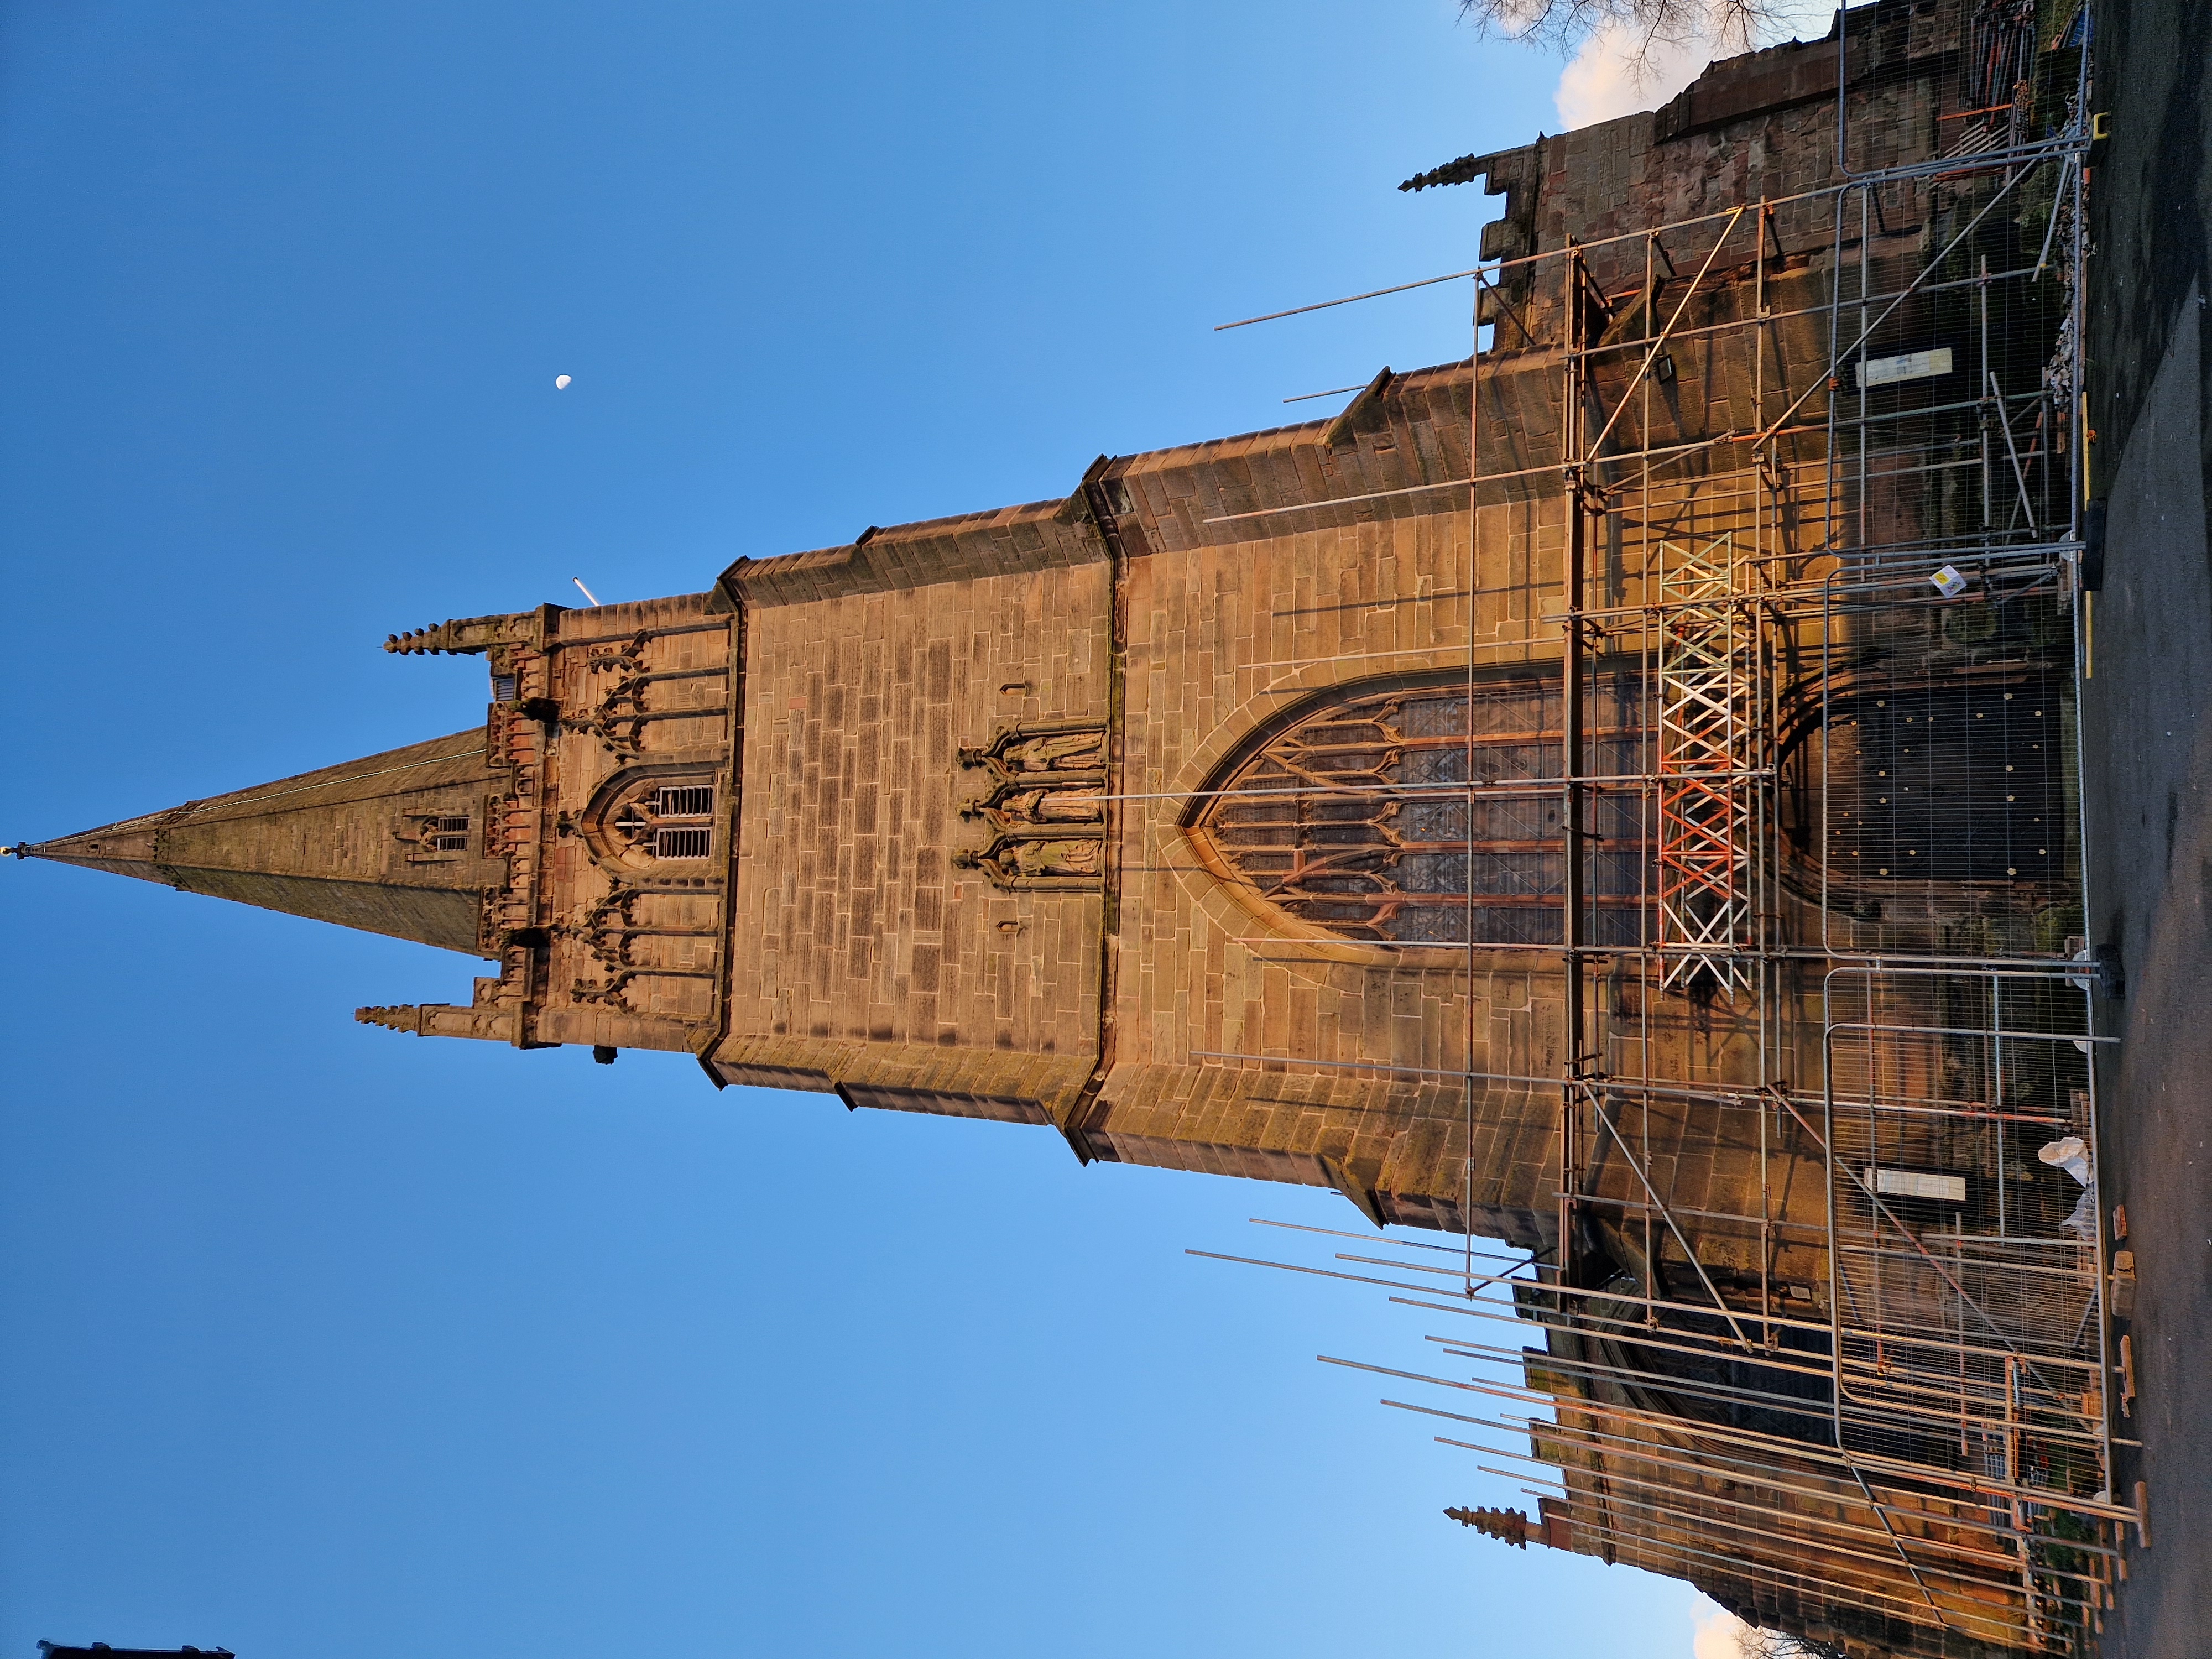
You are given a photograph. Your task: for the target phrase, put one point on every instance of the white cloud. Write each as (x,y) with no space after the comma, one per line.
(1720,1633)
(1604,80)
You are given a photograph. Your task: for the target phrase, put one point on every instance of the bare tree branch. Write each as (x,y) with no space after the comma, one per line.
(1639,27)
(1773,1645)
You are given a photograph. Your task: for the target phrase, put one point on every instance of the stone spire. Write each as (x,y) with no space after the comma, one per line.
(393,843)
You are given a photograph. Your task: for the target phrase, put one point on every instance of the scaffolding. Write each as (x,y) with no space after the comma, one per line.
(1709,756)
(1819,474)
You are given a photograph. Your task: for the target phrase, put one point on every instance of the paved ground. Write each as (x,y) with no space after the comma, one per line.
(2146,725)
(2148,721)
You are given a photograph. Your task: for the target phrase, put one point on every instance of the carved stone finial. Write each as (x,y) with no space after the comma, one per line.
(408,1018)
(417,641)
(1464,171)
(466,636)
(1508,1526)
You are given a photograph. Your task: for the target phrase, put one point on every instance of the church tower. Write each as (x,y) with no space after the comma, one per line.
(1617,795)
(981,816)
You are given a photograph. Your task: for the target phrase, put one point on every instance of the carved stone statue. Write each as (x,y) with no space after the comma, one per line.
(1025,861)
(1036,859)
(1008,808)
(1015,754)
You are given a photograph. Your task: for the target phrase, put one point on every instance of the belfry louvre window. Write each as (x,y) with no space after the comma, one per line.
(684,800)
(450,835)
(503,688)
(670,821)
(682,842)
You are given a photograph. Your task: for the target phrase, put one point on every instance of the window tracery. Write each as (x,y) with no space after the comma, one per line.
(675,821)
(1408,816)
(431,834)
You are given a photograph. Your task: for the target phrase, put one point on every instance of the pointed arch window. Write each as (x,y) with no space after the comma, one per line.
(435,837)
(1357,818)
(670,821)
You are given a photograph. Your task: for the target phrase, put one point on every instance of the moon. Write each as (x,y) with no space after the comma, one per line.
(560,383)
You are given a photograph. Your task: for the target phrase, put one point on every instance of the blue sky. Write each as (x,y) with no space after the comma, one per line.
(325,1342)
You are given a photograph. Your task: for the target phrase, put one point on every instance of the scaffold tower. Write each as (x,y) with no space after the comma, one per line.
(1709,763)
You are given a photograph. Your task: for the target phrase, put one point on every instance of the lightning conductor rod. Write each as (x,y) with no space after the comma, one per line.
(584,591)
